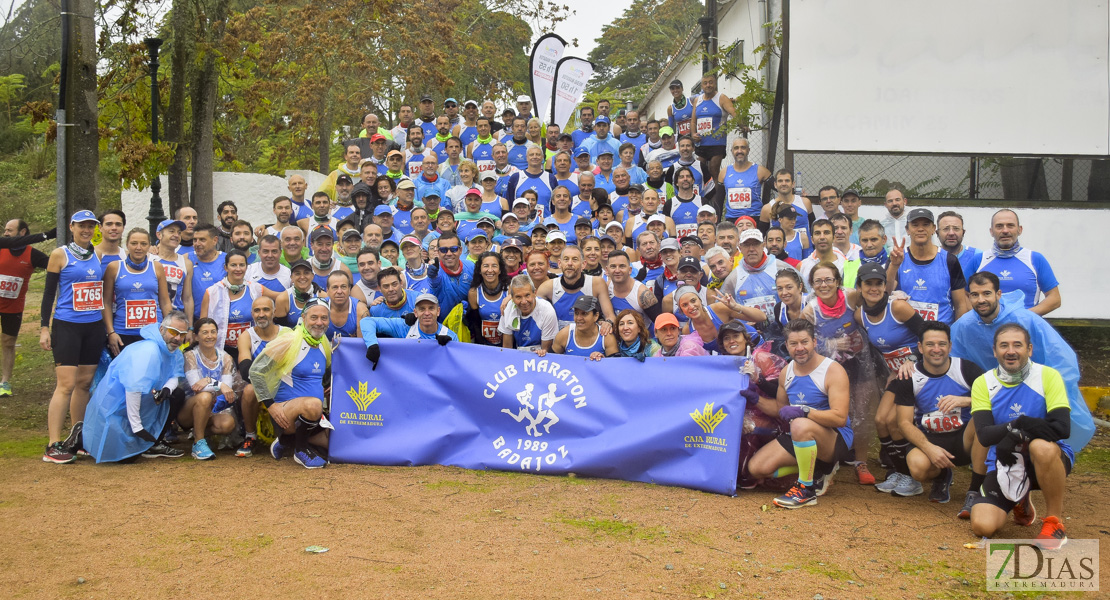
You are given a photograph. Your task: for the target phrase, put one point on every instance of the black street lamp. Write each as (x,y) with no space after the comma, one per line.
(156,215)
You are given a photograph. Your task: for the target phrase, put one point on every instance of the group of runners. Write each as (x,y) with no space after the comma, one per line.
(628,237)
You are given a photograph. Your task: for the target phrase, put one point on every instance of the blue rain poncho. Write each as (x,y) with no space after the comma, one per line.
(143,367)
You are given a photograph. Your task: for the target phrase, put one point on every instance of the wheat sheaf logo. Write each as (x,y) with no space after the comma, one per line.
(362,398)
(707,419)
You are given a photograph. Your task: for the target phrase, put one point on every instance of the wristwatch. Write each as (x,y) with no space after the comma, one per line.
(806,409)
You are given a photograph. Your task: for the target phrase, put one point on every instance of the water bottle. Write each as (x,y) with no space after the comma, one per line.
(798,184)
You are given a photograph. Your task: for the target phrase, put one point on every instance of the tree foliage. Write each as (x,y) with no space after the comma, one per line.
(633,49)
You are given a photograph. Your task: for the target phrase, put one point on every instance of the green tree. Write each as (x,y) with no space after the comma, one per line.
(633,49)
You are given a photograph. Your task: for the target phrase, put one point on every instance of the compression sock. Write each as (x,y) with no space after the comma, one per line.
(976,482)
(784,471)
(806,453)
(821,468)
(884,452)
(300,435)
(899,450)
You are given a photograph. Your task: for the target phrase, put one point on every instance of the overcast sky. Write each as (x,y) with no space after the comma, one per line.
(586,23)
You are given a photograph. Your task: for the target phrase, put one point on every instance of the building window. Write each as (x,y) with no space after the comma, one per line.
(734,60)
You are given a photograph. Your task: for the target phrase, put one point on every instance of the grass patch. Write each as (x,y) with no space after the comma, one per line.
(618,529)
(26,446)
(458,486)
(1093,459)
(828,570)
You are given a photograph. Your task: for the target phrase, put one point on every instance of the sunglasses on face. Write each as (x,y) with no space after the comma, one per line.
(175,332)
(449,249)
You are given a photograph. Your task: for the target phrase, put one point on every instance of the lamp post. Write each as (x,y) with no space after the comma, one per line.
(156,215)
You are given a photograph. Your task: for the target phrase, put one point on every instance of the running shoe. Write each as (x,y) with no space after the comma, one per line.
(308,459)
(201,451)
(163,450)
(74,444)
(798,496)
(56,453)
(891,482)
(863,474)
(908,487)
(941,491)
(969,501)
(1024,512)
(1052,535)
(821,485)
(246,448)
(277,449)
(5,390)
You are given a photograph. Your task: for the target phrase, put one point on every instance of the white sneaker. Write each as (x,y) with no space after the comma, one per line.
(887,486)
(908,487)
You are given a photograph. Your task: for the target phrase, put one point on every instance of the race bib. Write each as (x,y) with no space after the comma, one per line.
(10,286)
(484,166)
(684,229)
(415,169)
(88,295)
(940,422)
(740,197)
(234,330)
(174,273)
(763,303)
(140,313)
(896,358)
(927,310)
(489,331)
(705,125)
(684,127)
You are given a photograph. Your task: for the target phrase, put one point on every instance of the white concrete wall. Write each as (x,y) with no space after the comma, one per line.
(1071,240)
(253,194)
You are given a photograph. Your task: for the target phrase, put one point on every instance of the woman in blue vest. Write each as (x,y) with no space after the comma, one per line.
(487,292)
(77,338)
(138,290)
(583,336)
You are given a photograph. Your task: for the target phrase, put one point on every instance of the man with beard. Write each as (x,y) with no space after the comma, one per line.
(518,144)
(950,232)
(753,283)
(562,292)
(251,343)
(242,237)
(288,378)
(467,130)
(932,277)
(775,243)
(228,214)
(784,195)
(586,118)
(1020,268)
(443,133)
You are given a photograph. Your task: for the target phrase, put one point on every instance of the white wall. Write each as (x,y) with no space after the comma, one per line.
(253,194)
(1071,239)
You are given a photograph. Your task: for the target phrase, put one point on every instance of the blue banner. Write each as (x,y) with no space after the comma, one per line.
(668,421)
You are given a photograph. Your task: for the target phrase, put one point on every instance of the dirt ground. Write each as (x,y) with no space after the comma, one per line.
(239,528)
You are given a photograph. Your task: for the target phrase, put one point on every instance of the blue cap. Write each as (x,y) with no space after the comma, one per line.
(450,100)
(383,210)
(475,234)
(167,223)
(605,151)
(83,215)
(601,119)
(579,151)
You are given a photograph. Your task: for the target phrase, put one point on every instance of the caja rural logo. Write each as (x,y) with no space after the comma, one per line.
(708,421)
(537,390)
(362,399)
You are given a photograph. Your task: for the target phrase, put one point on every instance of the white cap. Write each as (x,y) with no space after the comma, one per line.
(524,98)
(426,297)
(613,224)
(524,201)
(556,234)
(751,234)
(657,218)
(705,208)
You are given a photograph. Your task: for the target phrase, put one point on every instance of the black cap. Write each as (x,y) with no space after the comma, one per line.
(512,242)
(523,238)
(788,211)
(293,266)
(587,304)
(674,83)
(426,98)
(850,192)
(920,213)
(691,238)
(343,178)
(639,187)
(565,136)
(689,261)
(871,271)
(583,222)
